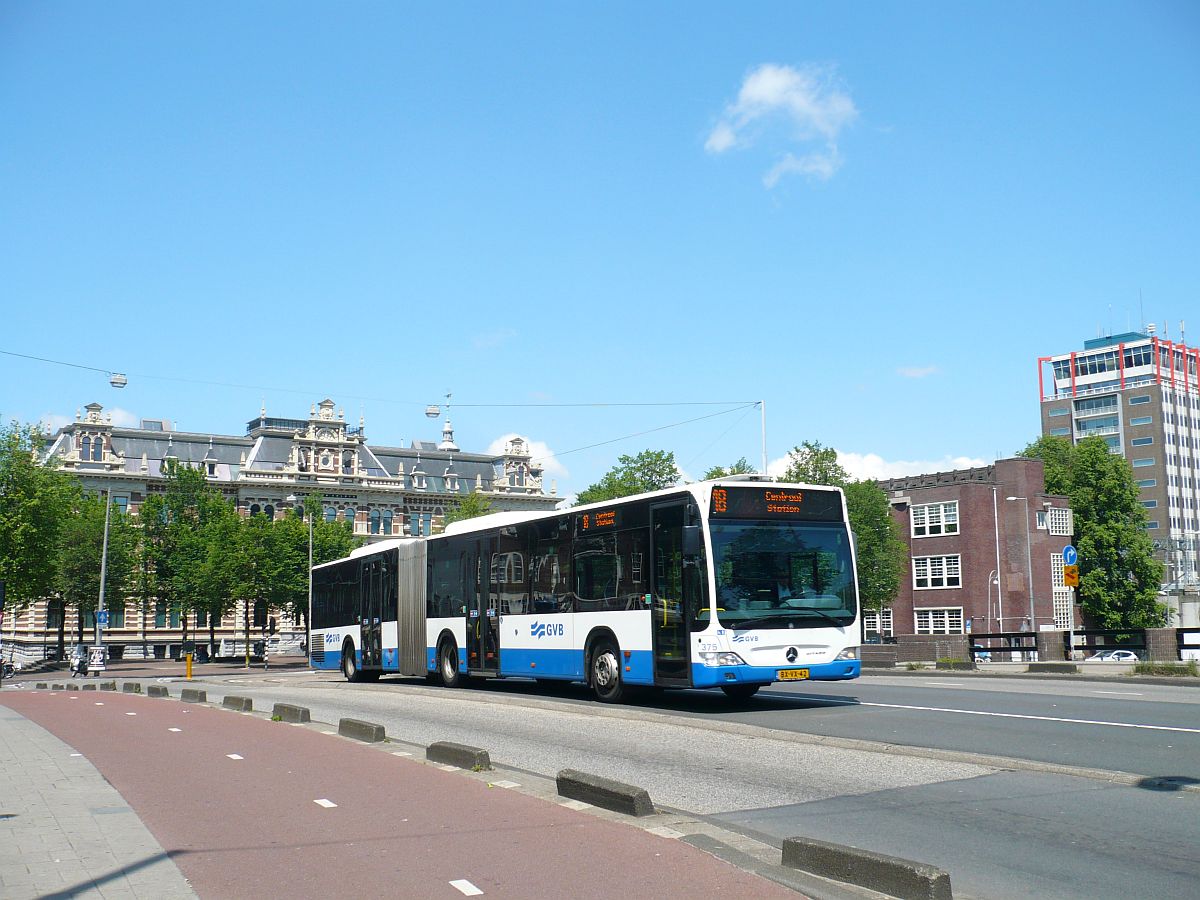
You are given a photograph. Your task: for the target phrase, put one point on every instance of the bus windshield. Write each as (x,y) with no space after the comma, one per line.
(776,574)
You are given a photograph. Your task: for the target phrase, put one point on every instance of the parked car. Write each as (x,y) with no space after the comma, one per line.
(1121,656)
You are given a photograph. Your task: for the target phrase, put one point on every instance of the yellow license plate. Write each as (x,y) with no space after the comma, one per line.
(792,674)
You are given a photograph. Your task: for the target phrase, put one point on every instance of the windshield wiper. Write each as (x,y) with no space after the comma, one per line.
(820,612)
(778,621)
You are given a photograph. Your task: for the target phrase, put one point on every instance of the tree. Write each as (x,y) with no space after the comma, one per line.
(179,527)
(469,506)
(650,470)
(810,463)
(880,552)
(881,556)
(35,501)
(79,557)
(1119,577)
(741,467)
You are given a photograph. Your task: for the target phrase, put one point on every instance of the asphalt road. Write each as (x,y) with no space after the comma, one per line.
(789,764)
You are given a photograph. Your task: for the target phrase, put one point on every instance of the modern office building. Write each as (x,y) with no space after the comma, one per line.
(985,553)
(384,492)
(1141,393)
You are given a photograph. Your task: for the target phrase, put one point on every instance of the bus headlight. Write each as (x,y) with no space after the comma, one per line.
(848,653)
(722,659)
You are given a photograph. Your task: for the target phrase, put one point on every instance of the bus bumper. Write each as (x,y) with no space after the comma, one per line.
(716,676)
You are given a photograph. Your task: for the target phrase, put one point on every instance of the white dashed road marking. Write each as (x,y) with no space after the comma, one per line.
(233,756)
(174,729)
(466,887)
(505,784)
(131,714)
(328,804)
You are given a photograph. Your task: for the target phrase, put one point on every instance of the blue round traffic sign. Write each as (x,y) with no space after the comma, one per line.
(1070,556)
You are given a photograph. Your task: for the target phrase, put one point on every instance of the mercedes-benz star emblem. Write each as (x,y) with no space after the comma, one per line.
(792,654)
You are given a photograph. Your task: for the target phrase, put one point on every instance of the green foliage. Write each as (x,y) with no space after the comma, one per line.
(81,545)
(741,467)
(1119,577)
(881,554)
(469,506)
(650,470)
(35,501)
(1188,669)
(810,463)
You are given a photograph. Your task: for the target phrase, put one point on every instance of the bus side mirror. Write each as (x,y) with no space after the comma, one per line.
(691,541)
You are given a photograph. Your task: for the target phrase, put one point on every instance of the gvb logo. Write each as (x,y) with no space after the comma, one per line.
(547,629)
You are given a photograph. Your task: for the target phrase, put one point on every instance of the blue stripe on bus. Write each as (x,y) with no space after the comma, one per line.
(714,676)
(569,664)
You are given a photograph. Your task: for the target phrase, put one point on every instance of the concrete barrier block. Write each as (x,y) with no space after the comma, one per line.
(286,712)
(108,685)
(361,731)
(452,754)
(1060,668)
(605,793)
(59,687)
(889,875)
(89,687)
(72,686)
(42,686)
(193,695)
(131,687)
(157,690)
(241,704)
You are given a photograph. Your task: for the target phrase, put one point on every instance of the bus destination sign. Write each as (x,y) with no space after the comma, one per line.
(776,502)
(596,521)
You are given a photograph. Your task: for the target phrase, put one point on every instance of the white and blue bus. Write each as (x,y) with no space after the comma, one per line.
(736,584)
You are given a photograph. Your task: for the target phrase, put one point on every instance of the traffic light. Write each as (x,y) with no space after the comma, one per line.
(272,624)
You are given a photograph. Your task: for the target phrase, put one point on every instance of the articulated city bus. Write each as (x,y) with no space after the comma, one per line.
(736,584)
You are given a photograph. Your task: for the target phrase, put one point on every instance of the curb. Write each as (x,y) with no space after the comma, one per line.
(287,712)
(452,754)
(889,875)
(605,793)
(361,731)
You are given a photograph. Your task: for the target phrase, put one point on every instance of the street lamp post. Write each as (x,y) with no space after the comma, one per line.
(99,651)
(1028,566)
(293,499)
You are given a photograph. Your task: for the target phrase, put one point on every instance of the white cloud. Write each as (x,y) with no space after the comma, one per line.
(807,100)
(539,450)
(493,339)
(871,465)
(917,371)
(122,418)
(875,467)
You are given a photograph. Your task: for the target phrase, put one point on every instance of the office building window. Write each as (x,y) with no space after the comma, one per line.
(1142,442)
(934,572)
(931,519)
(1134,401)
(944,620)
(877,622)
(1143,463)
(1142,420)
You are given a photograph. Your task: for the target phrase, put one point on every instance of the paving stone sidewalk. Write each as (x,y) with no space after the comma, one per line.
(66,832)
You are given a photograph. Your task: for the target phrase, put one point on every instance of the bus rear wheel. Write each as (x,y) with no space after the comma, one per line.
(350,663)
(448,664)
(606,672)
(739,693)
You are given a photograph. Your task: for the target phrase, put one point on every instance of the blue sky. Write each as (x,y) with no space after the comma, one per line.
(875,217)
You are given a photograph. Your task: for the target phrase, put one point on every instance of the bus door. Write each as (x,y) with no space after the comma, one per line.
(371,587)
(483,609)
(674,589)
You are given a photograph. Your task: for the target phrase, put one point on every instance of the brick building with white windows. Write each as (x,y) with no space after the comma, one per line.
(978,539)
(383,492)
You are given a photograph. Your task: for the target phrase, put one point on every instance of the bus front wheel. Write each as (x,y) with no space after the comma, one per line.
(606,672)
(448,664)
